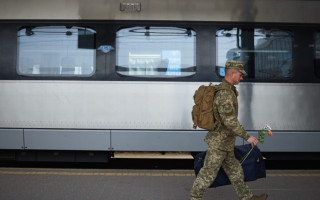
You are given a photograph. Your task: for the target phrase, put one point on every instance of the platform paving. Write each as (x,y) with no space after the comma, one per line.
(118,184)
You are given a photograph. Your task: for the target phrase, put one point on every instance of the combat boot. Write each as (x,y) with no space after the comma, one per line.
(260,197)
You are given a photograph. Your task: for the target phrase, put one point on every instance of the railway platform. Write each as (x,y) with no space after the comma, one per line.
(143,184)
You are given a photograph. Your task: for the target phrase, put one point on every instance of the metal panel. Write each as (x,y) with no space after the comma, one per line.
(127,140)
(96,105)
(44,139)
(284,106)
(290,142)
(188,10)
(11,139)
(149,105)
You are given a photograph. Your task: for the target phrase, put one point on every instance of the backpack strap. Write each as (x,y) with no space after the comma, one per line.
(217,89)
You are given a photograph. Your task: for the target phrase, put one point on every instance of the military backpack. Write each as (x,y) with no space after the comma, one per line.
(202,111)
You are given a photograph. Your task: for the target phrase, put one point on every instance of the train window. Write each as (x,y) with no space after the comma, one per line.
(56,51)
(317,54)
(156,52)
(267,53)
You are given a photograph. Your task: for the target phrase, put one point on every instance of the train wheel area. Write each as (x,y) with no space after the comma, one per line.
(141,160)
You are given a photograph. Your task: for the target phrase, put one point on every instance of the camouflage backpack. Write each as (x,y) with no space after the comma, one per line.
(202,111)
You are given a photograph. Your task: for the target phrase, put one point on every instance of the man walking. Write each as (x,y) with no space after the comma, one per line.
(221,141)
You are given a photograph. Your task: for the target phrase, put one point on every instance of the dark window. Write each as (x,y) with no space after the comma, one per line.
(267,53)
(156,52)
(56,51)
(317,54)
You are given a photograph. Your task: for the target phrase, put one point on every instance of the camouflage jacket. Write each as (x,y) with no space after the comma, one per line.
(225,107)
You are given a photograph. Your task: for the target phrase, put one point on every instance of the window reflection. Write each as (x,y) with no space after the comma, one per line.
(56,51)
(317,54)
(267,53)
(155,52)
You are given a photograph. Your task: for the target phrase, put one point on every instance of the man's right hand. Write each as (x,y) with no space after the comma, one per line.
(253,141)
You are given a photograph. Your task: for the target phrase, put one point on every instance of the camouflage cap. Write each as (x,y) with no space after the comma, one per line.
(237,65)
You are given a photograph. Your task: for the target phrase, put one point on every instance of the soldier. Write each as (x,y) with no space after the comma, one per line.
(221,141)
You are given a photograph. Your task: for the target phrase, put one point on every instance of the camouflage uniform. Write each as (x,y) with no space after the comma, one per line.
(221,145)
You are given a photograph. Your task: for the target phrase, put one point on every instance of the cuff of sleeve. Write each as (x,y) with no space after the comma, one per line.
(246,137)
(244,134)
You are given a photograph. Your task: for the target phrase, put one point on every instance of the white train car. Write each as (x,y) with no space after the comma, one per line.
(82,79)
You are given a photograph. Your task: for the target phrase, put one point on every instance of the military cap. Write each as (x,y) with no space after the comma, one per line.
(237,65)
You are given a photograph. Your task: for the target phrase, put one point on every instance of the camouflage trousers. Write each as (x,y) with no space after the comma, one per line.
(214,160)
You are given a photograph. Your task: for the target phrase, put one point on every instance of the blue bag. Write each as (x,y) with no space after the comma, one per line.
(253,166)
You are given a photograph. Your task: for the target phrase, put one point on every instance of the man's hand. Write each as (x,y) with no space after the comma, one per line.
(253,141)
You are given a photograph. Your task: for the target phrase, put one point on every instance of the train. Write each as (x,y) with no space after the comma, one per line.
(80,80)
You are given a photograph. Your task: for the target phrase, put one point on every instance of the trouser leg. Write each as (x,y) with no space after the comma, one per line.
(234,170)
(207,174)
